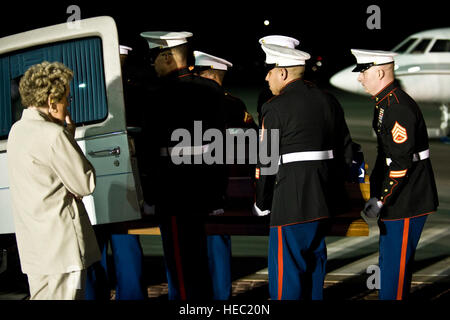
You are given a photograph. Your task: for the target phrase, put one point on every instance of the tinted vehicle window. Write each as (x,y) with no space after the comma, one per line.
(83,56)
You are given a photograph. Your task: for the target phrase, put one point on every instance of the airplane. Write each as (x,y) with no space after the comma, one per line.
(423,68)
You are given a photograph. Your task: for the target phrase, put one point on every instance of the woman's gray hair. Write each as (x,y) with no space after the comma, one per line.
(42,81)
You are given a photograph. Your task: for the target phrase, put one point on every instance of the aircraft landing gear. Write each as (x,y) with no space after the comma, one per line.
(444,120)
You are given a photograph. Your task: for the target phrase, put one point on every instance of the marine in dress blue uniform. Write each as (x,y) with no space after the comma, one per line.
(183,194)
(402,185)
(298,197)
(219,246)
(236,116)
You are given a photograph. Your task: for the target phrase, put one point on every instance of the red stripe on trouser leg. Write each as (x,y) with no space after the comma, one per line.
(177,256)
(401,276)
(280,264)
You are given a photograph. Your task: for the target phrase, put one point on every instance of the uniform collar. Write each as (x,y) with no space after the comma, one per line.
(178,73)
(290,84)
(182,72)
(211,83)
(380,96)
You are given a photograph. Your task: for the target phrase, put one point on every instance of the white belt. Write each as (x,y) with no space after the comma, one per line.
(305,156)
(184,151)
(416,156)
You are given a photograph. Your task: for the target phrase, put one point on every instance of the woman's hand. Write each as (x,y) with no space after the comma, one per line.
(77,198)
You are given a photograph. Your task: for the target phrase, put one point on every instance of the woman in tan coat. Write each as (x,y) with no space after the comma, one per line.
(49,175)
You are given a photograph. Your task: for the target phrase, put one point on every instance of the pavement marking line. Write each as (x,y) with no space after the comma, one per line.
(262,271)
(348,244)
(359,122)
(438,269)
(360,266)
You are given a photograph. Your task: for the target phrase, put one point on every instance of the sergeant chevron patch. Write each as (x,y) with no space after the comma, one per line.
(257,173)
(397,174)
(399,134)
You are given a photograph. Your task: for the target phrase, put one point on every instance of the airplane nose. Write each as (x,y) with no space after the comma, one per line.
(347,80)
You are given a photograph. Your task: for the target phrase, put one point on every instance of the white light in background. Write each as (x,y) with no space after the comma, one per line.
(82,85)
(266,22)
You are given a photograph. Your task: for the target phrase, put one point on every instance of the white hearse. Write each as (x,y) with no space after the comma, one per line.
(91,50)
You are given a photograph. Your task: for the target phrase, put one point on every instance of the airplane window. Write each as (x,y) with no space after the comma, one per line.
(441,46)
(421,46)
(403,47)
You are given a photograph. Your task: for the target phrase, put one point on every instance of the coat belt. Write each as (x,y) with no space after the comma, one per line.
(425,154)
(305,156)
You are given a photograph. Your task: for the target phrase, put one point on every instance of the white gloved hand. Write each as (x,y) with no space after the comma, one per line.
(257,212)
(372,208)
(217,212)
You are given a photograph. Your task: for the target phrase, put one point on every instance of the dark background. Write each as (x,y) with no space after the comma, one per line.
(231,29)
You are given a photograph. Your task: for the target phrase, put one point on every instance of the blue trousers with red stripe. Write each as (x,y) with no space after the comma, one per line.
(219,255)
(127,265)
(398,243)
(297,262)
(186,258)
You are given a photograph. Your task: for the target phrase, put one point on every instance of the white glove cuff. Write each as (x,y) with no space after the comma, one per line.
(258,211)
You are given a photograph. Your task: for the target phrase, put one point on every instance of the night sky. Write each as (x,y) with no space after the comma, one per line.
(231,29)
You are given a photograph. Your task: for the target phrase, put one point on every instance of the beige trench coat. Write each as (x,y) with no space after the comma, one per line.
(46,169)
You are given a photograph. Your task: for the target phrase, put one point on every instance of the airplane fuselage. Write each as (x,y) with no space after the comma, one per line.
(422,66)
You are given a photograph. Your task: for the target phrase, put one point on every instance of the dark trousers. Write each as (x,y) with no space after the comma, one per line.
(297,262)
(398,243)
(186,258)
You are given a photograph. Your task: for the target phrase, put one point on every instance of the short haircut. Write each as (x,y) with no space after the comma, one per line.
(182,51)
(297,71)
(213,72)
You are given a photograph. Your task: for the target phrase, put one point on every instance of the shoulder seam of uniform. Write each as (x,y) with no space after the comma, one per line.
(396,98)
(386,96)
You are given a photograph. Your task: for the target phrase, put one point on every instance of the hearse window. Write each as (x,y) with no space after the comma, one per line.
(421,46)
(83,56)
(441,46)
